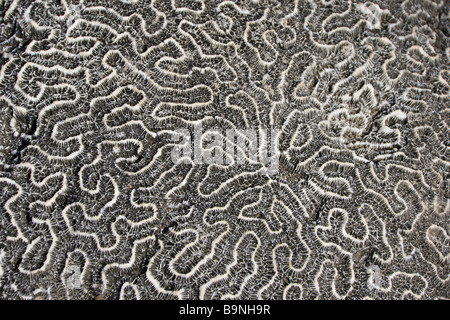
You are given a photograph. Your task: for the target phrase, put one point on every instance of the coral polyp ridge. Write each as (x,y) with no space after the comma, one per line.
(96,98)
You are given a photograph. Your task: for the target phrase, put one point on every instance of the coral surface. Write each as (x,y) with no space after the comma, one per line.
(349,101)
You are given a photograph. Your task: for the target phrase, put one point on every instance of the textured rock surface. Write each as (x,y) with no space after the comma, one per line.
(92,93)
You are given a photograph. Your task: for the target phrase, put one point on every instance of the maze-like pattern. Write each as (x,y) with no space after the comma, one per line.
(93,91)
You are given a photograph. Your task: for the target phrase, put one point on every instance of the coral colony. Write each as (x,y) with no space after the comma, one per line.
(210,149)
